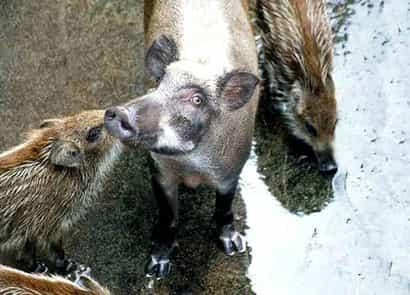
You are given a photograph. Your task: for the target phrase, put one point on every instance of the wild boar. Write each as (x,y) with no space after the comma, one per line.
(198,123)
(298,48)
(48,183)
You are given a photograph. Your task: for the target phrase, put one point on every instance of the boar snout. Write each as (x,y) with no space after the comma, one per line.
(118,122)
(326,161)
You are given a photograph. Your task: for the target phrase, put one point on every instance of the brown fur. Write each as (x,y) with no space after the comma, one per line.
(298,48)
(41,200)
(36,141)
(14,282)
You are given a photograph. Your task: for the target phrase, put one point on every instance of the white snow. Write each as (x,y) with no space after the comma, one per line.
(360,243)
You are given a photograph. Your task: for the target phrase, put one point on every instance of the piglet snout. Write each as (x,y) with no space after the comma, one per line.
(327,162)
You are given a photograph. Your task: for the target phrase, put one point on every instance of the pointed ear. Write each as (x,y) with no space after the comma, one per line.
(162,52)
(50,123)
(66,154)
(236,89)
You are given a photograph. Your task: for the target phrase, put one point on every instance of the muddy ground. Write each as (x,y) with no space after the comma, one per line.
(59,57)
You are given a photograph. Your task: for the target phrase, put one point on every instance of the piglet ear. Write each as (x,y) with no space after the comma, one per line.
(236,89)
(66,154)
(162,52)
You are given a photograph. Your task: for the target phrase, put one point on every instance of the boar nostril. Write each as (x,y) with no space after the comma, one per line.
(110,115)
(118,122)
(126,126)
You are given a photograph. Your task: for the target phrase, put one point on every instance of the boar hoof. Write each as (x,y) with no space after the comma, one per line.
(66,266)
(76,274)
(232,242)
(80,274)
(40,268)
(158,266)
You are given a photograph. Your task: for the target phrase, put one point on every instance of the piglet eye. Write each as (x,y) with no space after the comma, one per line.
(94,134)
(196,99)
(310,129)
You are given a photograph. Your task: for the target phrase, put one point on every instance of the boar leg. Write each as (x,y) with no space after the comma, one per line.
(62,265)
(229,238)
(164,235)
(27,261)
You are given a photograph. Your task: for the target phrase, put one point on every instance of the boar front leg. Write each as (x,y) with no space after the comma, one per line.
(27,259)
(61,264)
(231,241)
(164,235)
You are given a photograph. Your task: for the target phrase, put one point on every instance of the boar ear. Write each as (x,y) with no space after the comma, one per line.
(162,52)
(66,154)
(49,123)
(236,89)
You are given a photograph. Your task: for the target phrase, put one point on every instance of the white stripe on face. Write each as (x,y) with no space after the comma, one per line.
(170,139)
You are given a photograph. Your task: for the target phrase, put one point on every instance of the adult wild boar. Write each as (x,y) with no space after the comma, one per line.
(198,122)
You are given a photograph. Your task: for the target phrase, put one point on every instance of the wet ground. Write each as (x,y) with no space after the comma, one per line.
(65,56)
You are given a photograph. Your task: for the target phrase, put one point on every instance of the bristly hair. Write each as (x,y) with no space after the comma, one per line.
(30,150)
(297,38)
(15,282)
(322,34)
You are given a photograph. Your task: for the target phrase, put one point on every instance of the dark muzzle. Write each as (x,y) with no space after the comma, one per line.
(326,161)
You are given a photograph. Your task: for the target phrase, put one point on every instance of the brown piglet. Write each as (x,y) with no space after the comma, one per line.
(48,183)
(298,49)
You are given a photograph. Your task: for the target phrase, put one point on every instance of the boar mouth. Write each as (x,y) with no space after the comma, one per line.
(166,151)
(326,162)
(324,159)
(119,124)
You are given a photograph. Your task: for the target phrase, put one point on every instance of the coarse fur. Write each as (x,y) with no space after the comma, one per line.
(198,122)
(15,282)
(48,182)
(298,48)
(213,38)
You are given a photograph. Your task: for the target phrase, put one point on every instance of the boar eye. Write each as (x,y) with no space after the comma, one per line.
(310,129)
(94,134)
(197,99)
